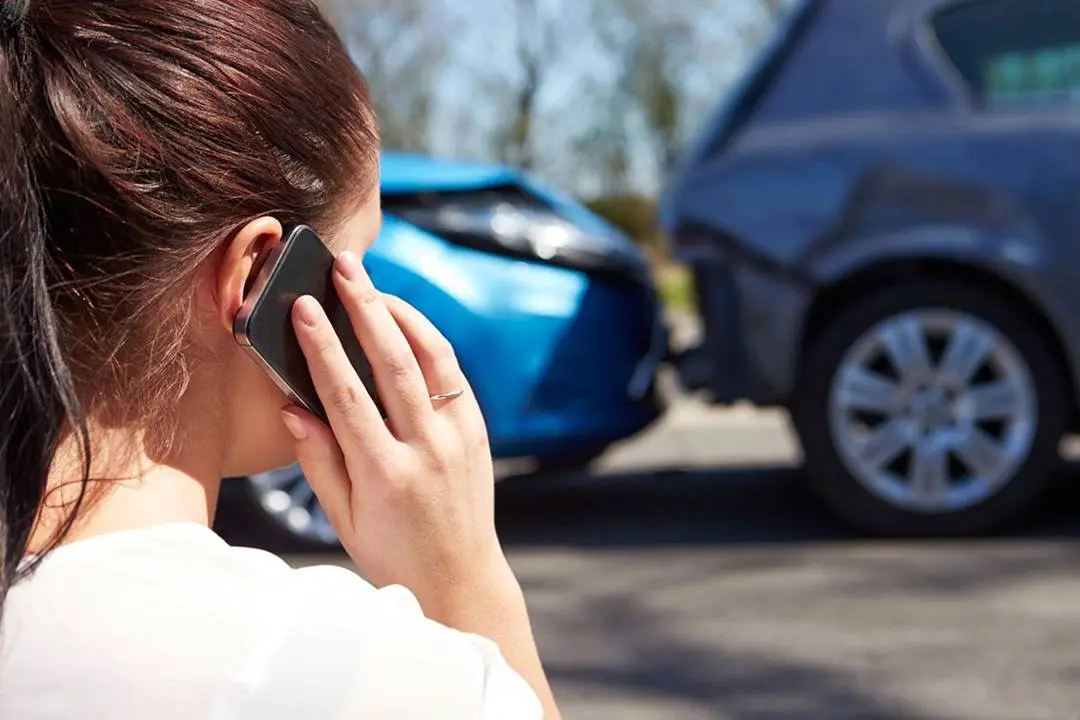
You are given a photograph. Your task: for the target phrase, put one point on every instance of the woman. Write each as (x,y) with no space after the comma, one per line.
(150,151)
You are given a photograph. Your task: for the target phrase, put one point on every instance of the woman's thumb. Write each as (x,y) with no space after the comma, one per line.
(321,460)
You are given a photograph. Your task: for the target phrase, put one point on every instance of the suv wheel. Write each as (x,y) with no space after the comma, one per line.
(931,409)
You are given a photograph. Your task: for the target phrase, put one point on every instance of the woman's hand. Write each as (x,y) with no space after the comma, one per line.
(412,496)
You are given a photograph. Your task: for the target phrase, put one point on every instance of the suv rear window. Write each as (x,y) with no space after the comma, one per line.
(1015,53)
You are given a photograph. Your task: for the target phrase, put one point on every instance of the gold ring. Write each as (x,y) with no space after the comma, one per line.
(447,395)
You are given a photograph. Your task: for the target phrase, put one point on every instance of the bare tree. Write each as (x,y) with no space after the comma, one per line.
(537,46)
(651,44)
(601,153)
(398,44)
(658,46)
(508,79)
(776,8)
(654,62)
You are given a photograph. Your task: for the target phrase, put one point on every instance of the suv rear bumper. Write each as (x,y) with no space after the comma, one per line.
(751,322)
(719,364)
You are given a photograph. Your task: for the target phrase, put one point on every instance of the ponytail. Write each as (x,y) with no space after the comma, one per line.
(38,402)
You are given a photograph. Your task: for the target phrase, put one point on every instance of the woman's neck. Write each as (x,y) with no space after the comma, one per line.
(130,488)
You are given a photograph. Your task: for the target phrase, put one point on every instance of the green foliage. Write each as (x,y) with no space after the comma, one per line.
(676,286)
(635,215)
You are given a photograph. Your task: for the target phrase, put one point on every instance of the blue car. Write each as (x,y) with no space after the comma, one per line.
(552,311)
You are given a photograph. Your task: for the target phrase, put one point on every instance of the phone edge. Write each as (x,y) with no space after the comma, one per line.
(242,320)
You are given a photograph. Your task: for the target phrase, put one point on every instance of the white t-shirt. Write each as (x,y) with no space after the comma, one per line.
(171,623)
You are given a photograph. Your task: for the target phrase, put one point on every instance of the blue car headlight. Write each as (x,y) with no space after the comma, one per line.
(513,223)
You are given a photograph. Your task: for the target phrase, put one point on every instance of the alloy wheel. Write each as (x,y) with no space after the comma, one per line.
(933,411)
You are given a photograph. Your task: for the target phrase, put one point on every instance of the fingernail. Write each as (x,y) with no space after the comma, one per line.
(307,308)
(294,424)
(349,265)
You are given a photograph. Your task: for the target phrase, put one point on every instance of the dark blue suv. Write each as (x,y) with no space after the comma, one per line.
(884,225)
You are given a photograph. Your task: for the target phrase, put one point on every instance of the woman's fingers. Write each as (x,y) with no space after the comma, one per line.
(432,350)
(441,369)
(402,388)
(349,407)
(324,466)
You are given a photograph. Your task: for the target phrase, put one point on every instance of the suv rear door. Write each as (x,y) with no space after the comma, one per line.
(1018,62)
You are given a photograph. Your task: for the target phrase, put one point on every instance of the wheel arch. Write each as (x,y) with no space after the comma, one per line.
(848,288)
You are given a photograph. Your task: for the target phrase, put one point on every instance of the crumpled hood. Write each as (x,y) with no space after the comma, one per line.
(412,173)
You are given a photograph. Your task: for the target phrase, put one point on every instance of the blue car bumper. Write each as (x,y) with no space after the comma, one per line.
(562,361)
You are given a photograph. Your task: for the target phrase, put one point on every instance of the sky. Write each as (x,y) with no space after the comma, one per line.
(727,33)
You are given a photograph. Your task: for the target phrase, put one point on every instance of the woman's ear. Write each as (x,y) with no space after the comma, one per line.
(239,263)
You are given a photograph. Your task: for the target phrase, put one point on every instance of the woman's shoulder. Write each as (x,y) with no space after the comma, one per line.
(242,631)
(373,653)
(151,559)
(167,584)
(167,575)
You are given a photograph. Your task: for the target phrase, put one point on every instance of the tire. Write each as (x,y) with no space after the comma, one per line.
(878,502)
(243,518)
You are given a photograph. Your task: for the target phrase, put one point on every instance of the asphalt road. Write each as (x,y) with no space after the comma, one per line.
(693,577)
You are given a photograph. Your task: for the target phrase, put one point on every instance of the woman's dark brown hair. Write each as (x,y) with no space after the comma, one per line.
(135,137)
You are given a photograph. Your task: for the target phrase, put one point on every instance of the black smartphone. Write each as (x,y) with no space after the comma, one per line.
(299,265)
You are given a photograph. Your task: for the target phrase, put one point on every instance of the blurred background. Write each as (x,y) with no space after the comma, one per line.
(771,307)
(596,96)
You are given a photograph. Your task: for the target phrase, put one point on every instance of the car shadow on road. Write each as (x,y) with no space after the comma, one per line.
(729,505)
(657,662)
(774,527)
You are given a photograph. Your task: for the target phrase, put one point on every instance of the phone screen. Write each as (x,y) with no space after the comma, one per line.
(301,265)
